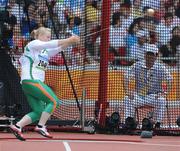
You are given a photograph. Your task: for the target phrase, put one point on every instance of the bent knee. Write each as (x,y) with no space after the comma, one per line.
(51,107)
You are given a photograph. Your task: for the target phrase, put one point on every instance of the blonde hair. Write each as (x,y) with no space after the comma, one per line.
(40,31)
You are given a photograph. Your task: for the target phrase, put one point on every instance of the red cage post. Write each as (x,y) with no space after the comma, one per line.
(104,46)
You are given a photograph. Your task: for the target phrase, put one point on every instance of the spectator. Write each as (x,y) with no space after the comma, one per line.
(149,14)
(3,4)
(16,10)
(178,58)
(170,8)
(150,26)
(137,12)
(141,22)
(74,23)
(154,4)
(29,22)
(178,68)
(42,13)
(115,6)
(8,21)
(164,33)
(137,50)
(175,40)
(92,19)
(92,15)
(117,35)
(18,40)
(148,75)
(60,9)
(170,49)
(177,8)
(73,5)
(127,16)
(132,38)
(149,17)
(117,32)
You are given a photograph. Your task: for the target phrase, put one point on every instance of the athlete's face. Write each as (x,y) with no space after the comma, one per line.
(45,36)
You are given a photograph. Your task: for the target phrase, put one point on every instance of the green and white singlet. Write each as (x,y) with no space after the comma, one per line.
(35,59)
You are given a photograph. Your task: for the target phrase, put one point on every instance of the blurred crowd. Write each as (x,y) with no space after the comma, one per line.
(139,23)
(134,24)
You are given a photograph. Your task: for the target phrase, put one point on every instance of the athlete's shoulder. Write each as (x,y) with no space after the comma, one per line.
(34,45)
(33,42)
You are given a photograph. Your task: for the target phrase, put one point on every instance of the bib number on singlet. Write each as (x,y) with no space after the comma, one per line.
(43,60)
(42,64)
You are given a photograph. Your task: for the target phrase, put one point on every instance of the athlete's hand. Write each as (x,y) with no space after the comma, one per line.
(75,38)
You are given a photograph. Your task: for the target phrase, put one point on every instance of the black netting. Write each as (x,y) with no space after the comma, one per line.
(135,27)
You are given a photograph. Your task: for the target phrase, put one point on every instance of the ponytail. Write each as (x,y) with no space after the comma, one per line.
(41,30)
(34,34)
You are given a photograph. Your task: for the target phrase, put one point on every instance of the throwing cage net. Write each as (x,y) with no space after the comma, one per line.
(90,78)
